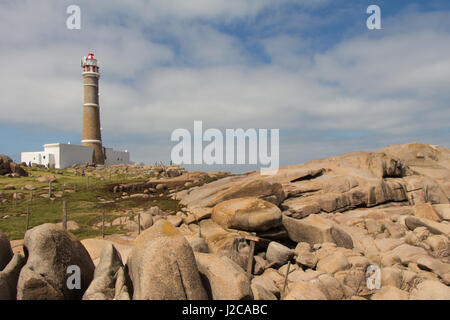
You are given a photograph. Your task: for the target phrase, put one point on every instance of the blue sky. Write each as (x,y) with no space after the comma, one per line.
(309,68)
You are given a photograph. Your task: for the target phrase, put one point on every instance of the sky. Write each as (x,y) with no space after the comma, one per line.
(311,69)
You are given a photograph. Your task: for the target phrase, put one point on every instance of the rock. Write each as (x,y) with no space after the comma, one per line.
(430,290)
(122,286)
(9,277)
(223,278)
(439,244)
(250,214)
(6,252)
(408,253)
(390,293)
(443,210)
(102,286)
(257,188)
(71,225)
(426,211)
(330,287)
(9,187)
(434,227)
(304,256)
(260,293)
(305,291)
(434,265)
(278,254)
(146,220)
(50,250)
(47,179)
(162,266)
(198,244)
(353,282)
(174,220)
(333,263)
(268,280)
(391,277)
(315,229)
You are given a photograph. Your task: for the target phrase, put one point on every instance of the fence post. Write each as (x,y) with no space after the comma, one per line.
(286,277)
(49,189)
(250,257)
(103,224)
(28,219)
(139,223)
(64,215)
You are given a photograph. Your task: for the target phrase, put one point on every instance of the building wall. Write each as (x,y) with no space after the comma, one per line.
(70,154)
(116,157)
(66,155)
(38,157)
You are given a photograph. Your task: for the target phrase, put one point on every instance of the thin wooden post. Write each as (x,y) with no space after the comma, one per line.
(250,257)
(49,189)
(31,197)
(28,219)
(286,276)
(139,223)
(103,224)
(64,215)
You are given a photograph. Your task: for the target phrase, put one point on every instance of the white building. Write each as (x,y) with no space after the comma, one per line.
(61,155)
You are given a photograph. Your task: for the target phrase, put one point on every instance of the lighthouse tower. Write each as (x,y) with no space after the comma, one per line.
(91,110)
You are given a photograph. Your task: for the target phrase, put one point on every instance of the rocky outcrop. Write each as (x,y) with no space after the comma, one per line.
(315,230)
(162,266)
(9,277)
(103,286)
(250,214)
(223,278)
(9,167)
(6,252)
(50,251)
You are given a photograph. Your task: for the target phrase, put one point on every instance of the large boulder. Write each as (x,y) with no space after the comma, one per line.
(105,275)
(9,277)
(250,214)
(315,230)
(162,266)
(430,290)
(50,250)
(6,252)
(223,278)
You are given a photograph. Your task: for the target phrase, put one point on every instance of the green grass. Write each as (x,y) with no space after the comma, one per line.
(83,206)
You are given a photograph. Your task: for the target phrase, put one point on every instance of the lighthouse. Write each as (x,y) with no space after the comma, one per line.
(91,150)
(91,135)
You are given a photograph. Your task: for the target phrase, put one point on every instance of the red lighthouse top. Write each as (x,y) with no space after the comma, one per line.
(89,64)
